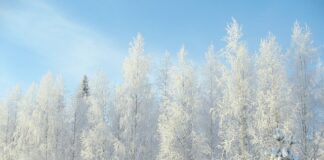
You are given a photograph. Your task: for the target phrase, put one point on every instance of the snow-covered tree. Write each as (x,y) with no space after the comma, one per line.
(235,112)
(272,96)
(211,95)
(164,116)
(138,103)
(47,119)
(304,56)
(9,123)
(23,136)
(163,80)
(79,108)
(116,116)
(2,126)
(318,81)
(96,138)
(176,124)
(317,147)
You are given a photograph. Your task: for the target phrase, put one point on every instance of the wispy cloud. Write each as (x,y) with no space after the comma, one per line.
(67,47)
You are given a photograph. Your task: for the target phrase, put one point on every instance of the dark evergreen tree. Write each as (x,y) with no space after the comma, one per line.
(85,86)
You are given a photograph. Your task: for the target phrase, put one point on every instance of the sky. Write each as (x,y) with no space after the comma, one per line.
(71,38)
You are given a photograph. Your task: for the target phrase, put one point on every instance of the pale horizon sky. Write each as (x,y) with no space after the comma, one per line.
(72,38)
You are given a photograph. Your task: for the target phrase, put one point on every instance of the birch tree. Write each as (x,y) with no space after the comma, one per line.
(23,135)
(176,127)
(304,56)
(47,119)
(211,96)
(165,150)
(138,106)
(272,96)
(118,144)
(11,106)
(237,102)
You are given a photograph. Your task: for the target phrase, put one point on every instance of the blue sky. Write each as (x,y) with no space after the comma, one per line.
(72,37)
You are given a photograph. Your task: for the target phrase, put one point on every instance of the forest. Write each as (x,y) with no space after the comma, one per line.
(236,105)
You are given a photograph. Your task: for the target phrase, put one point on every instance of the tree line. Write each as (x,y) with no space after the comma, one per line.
(237,105)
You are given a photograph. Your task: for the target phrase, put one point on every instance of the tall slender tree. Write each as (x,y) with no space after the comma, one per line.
(11,106)
(211,95)
(164,116)
(23,134)
(117,117)
(176,125)
(138,103)
(237,103)
(96,138)
(79,122)
(47,118)
(304,56)
(272,96)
